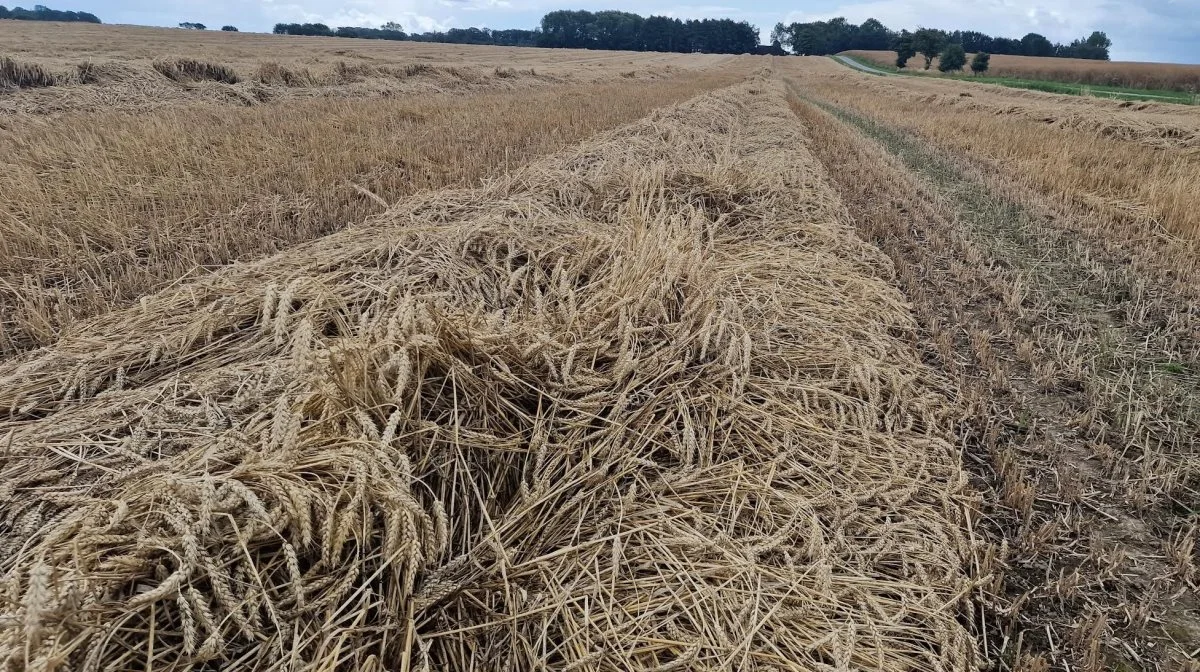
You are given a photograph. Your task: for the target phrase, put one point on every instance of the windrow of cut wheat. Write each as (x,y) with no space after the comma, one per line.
(100,208)
(646,405)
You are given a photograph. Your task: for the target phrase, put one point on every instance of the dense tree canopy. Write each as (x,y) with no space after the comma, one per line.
(952,58)
(371,33)
(1036,45)
(393,31)
(929,42)
(578,29)
(43,13)
(624,30)
(837,35)
(503,38)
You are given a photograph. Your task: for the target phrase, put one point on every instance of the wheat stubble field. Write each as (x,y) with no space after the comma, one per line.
(560,360)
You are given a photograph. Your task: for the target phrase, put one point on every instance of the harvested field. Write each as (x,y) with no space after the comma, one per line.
(1154,124)
(1071,333)
(337,354)
(1164,76)
(103,207)
(131,67)
(1134,164)
(644,404)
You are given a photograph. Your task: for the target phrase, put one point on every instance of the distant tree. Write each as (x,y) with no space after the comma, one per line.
(229,29)
(782,35)
(187,25)
(1036,45)
(904,49)
(664,33)
(371,33)
(3,12)
(303,29)
(972,41)
(392,25)
(872,36)
(1095,47)
(1099,42)
(952,58)
(980,63)
(929,42)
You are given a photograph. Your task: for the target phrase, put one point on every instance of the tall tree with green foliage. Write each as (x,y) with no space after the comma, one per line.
(904,49)
(952,58)
(981,62)
(1036,45)
(782,35)
(929,42)
(872,35)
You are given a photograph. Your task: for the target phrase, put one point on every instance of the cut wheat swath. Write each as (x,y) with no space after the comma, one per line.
(639,407)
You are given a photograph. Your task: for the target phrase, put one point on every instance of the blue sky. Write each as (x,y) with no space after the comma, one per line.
(1150,30)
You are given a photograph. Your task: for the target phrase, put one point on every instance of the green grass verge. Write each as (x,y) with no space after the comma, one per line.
(1114,92)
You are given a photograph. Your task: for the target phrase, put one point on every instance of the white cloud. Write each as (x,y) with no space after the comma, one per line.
(414,15)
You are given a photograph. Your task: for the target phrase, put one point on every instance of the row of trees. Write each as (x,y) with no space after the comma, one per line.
(931,43)
(189,25)
(43,13)
(574,29)
(838,35)
(623,30)
(512,37)
(393,31)
(952,58)
(389,31)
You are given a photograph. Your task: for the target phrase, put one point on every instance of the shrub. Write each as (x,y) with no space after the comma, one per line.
(229,29)
(952,58)
(187,25)
(23,75)
(191,70)
(980,63)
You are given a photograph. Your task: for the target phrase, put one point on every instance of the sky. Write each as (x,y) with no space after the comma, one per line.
(1146,30)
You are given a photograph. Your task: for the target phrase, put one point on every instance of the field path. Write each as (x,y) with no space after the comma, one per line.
(1084,422)
(859,66)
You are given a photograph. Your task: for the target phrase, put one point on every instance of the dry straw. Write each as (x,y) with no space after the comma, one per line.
(18,75)
(645,406)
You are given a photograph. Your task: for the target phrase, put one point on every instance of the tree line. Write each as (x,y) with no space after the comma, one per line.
(393,31)
(574,29)
(837,35)
(627,31)
(43,13)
